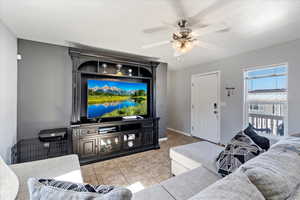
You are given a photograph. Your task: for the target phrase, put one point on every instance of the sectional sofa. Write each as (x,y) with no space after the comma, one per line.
(194,168)
(192,165)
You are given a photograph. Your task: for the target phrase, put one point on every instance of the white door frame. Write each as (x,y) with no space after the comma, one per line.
(219,97)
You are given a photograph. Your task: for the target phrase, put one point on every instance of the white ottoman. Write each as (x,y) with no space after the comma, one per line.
(191,156)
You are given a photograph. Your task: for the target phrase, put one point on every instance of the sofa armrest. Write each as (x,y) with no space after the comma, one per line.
(65,168)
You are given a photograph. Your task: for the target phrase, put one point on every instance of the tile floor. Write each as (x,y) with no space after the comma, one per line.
(146,168)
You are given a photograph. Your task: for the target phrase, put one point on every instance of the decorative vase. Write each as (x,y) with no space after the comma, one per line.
(119,66)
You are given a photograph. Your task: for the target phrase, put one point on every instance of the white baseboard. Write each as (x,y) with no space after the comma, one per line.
(163,139)
(178,131)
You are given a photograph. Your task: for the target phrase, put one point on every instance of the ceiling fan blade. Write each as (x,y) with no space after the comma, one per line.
(217,5)
(200,25)
(216,28)
(224,30)
(170,25)
(178,8)
(165,26)
(205,45)
(156,29)
(148,46)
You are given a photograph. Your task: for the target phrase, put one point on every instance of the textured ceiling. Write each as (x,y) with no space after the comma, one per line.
(118,25)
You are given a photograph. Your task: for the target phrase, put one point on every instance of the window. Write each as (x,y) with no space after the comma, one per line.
(266,99)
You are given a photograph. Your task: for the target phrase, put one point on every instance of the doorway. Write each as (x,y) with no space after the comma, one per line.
(205,106)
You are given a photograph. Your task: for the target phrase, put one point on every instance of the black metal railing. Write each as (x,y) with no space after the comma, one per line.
(270,124)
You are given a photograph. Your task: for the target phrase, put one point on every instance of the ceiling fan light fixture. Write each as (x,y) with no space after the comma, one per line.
(183,46)
(176,44)
(187,47)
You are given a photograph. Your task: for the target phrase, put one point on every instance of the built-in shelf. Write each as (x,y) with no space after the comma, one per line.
(115,75)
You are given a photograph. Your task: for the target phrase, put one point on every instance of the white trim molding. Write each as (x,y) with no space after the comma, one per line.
(178,131)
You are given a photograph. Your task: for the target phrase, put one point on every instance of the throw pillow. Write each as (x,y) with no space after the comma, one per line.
(239,150)
(236,186)
(276,172)
(46,189)
(261,141)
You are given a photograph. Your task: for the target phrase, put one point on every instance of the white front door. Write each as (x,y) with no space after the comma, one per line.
(205,106)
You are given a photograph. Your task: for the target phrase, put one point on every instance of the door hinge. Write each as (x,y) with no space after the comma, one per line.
(192,84)
(192,106)
(192,128)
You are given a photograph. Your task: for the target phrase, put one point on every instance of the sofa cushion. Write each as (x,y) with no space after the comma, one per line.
(261,141)
(9,183)
(154,192)
(235,186)
(196,154)
(65,168)
(45,189)
(178,168)
(276,172)
(190,183)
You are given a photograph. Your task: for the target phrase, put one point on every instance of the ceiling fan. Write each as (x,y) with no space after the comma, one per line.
(188,29)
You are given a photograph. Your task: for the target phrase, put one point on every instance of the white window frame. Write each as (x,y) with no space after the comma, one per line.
(245,106)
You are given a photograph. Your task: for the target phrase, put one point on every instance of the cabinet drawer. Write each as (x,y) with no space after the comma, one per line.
(85,132)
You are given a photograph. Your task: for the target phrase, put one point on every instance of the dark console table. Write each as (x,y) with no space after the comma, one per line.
(87,141)
(129,136)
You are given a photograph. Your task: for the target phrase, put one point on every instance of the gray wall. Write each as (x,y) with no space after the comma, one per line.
(8,94)
(161,98)
(44,88)
(232,75)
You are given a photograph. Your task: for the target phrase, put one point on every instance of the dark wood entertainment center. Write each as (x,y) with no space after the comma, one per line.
(127,136)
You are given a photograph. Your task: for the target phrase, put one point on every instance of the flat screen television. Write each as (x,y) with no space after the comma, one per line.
(113,98)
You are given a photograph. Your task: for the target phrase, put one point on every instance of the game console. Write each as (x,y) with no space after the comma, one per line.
(133,117)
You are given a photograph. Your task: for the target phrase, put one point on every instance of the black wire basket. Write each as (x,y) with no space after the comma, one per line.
(33,149)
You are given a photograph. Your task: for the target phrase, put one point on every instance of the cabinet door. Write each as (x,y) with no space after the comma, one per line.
(110,144)
(148,133)
(88,147)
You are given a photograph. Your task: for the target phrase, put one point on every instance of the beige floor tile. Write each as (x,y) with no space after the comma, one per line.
(91,180)
(147,168)
(118,180)
(87,170)
(145,182)
(162,177)
(111,173)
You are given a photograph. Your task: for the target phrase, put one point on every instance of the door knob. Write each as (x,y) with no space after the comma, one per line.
(215,106)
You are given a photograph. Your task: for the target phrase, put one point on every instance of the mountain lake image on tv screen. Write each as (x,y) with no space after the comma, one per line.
(116,99)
